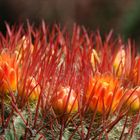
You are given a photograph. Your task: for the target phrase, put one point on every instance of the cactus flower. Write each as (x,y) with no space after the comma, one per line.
(8,72)
(105,91)
(32,89)
(65,101)
(133,100)
(119,62)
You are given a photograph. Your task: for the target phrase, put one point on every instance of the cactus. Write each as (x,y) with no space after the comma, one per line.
(54,86)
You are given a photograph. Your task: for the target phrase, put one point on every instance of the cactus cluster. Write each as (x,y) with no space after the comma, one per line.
(60,86)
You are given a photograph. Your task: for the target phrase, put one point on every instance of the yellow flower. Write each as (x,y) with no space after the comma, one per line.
(119,62)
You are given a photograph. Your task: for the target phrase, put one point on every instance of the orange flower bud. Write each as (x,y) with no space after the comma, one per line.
(32,89)
(105,92)
(8,69)
(65,100)
(132,100)
(135,75)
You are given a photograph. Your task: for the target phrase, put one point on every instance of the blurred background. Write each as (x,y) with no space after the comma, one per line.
(120,15)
